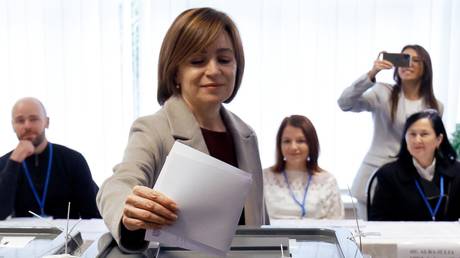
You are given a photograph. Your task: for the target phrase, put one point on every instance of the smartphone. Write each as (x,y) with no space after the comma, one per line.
(398,59)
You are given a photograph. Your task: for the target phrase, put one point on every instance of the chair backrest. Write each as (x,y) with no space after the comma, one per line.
(370,190)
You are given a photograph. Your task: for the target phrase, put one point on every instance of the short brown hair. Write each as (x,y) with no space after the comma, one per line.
(309,132)
(191,32)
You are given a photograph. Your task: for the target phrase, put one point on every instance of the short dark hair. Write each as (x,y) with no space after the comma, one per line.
(309,132)
(445,151)
(191,32)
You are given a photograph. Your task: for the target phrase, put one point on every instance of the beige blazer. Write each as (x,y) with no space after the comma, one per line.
(150,140)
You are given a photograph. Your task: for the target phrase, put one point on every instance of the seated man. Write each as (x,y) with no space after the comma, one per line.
(42,177)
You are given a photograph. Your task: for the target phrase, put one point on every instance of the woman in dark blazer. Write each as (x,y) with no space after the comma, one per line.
(423,184)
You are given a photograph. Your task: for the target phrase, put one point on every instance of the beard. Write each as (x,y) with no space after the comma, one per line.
(35,141)
(39,139)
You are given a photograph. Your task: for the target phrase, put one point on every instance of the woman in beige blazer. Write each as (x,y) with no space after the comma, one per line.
(200,68)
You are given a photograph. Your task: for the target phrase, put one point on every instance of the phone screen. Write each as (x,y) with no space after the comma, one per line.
(398,59)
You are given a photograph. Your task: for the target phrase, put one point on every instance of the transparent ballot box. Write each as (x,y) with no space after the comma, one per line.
(20,242)
(254,242)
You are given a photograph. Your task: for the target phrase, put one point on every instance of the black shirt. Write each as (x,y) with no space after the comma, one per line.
(70,181)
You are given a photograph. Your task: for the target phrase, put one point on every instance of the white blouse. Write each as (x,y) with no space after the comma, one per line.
(322,201)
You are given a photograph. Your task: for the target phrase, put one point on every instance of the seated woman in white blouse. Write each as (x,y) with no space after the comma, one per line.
(296,187)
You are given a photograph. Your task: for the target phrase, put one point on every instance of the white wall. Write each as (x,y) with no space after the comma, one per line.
(76,56)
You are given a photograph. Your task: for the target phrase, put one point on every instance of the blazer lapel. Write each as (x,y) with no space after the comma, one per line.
(247,156)
(184,127)
(444,168)
(241,138)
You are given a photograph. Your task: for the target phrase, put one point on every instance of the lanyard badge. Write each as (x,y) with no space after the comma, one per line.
(425,199)
(40,201)
(301,204)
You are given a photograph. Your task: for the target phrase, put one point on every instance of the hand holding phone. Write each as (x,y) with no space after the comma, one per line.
(397,59)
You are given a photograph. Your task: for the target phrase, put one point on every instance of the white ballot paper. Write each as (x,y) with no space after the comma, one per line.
(210,195)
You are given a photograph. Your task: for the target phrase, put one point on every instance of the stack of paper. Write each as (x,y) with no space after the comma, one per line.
(210,195)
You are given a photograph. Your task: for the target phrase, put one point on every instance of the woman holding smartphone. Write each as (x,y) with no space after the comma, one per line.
(390,106)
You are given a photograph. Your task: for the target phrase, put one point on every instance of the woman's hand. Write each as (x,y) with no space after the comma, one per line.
(379,65)
(146,208)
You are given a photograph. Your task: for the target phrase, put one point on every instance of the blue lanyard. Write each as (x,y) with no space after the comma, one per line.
(302,205)
(41,202)
(433,213)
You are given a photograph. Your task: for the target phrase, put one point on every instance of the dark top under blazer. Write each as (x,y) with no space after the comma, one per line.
(151,138)
(396,197)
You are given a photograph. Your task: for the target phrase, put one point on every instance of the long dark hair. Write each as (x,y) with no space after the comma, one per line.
(426,84)
(309,132)
(445,151)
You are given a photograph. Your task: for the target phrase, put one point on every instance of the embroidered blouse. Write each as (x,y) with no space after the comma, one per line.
(322,201)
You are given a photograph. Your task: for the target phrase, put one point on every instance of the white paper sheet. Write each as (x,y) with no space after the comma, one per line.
(210,195)
(15,242)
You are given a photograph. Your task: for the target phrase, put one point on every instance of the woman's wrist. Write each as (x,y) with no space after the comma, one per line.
(371,74)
